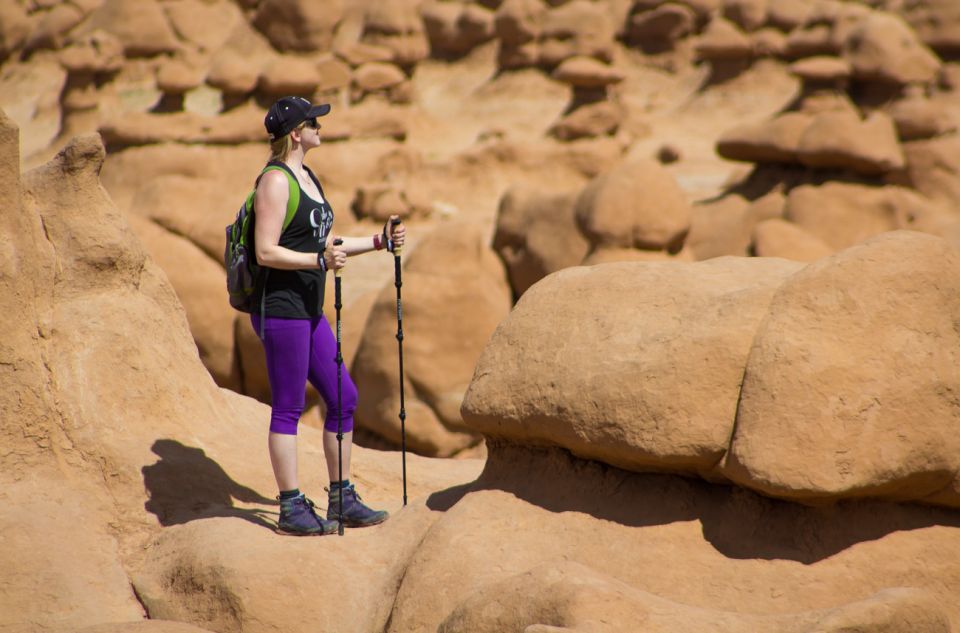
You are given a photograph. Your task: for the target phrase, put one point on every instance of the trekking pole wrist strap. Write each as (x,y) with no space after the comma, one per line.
(321,262)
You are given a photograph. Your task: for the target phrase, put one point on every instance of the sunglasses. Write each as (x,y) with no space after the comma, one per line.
(312,124)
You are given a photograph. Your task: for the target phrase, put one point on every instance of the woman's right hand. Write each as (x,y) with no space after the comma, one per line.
(333,255)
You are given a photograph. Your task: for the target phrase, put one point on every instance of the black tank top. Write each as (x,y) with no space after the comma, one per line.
(298,294)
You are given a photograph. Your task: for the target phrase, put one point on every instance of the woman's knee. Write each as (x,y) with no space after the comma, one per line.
(285,420)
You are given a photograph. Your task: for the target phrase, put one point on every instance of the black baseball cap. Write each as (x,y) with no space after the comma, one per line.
(289,112)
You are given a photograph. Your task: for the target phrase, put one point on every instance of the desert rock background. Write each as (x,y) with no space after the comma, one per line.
(681,315)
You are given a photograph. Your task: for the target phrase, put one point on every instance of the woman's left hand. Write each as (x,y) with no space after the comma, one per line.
(396,232)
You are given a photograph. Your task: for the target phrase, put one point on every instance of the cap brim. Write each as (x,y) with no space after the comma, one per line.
(318,110)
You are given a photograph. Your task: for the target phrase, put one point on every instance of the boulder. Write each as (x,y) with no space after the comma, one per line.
(661,28)
(288,75)
(841,140)
(749,15)
(53,26)
(455,292)
(848,393)
(933,168)
(142,27)
(723,41)
(937,24)
(587,72)
(883,48)
(198,281)
(725,226)
(298,25)
(397,26)
(917,117)
(204,24)
(780,238)
(543,523)
(822,69)
(455,30)
(637,204)
(601,118)
(518,22)
(97,52)
(774,141)
(843,214)
(809,41)
(787,15)
(576,29)
(14,28)
(536,234)
(670,406)
(374,76)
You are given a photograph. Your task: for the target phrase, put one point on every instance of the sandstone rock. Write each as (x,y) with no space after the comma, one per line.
(455,30)
(917,118)
(822,69)
(144,626)
(198,281)
(577,29)
(809,41)
(769,42)
(723,41)
(48,590)
(779,238)
(52,28)
(288,75)
(143,128)
(841,140)
(586,72)
(884,48)
(142,28)
(637,204)
(935,22)
(718,546)
(96,52)
(827,393)
(452,272)
(682,414)
(14,28)
(933,168)
(659,29)
(749,15)
(397,26)
(381,200)
(232,73)
(720,227)
(774,141)
(787,15)
(334,74)
(176,76)
(536,234)
(844,214)
(519,21)
(374,76)
(592,120)
(205,24)
(610,254)
(358,53)
(298,25)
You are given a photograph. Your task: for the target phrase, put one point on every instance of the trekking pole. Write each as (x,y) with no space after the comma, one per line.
(403,414)
(339,359)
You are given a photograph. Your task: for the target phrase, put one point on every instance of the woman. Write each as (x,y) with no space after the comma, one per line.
(297,339)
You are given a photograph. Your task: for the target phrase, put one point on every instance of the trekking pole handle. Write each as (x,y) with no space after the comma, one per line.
(337,242)
(396,249)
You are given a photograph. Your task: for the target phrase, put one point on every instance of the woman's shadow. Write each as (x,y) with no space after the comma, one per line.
(185,484)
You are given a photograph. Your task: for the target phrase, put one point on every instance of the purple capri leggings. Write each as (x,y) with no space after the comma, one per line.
(299,350)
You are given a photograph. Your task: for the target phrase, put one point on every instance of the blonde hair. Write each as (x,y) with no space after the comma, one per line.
(281,148)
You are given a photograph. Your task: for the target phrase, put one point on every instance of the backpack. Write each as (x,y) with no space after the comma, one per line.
(243,273)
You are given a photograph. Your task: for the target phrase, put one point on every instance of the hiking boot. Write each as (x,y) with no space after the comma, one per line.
(298,518)
(355,513)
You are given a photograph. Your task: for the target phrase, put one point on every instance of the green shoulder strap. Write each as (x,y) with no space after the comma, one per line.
(293,199)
